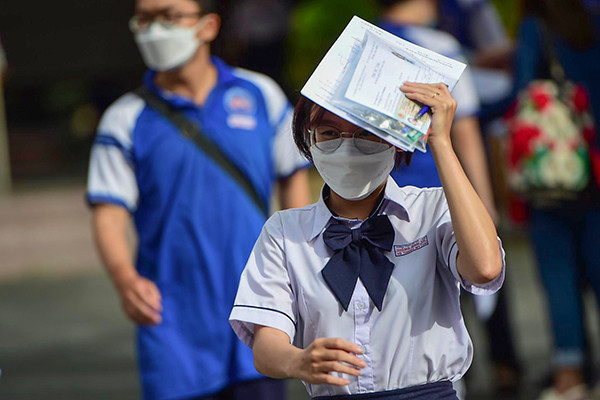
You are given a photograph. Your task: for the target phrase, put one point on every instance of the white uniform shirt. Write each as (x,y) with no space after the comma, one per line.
(418,337)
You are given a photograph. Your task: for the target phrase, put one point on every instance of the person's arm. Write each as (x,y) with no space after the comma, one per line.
(525,68)
(485,26)
(140,298)
(479,257)
(274,356)
(294,191)
(468,145)
(495,57)
(493,48)
(264,317)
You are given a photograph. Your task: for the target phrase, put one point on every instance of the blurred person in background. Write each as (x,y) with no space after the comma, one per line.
(413,20)
(565,239)
(258,29)
(478,28)
(486,45)
(195,223)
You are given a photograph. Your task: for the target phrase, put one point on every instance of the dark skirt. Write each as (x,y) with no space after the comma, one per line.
(430,391)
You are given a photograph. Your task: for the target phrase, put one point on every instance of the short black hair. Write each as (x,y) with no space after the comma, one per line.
(308,113)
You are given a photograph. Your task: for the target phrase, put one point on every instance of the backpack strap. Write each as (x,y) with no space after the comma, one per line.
(557,72)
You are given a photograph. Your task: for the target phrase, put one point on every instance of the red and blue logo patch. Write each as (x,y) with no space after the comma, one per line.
(404,249)
(239,101)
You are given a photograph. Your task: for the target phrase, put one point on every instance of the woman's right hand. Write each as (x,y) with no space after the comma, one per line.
(324,355)
(442,105)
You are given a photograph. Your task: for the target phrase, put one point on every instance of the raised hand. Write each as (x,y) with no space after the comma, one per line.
(442,105)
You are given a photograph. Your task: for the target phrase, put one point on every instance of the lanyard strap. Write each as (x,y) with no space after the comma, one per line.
(557,72)
(193,131)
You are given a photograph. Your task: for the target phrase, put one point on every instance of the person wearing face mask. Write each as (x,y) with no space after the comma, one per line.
(358,294)
(197,207)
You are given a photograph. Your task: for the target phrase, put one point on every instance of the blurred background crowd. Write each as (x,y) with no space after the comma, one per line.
(62,333)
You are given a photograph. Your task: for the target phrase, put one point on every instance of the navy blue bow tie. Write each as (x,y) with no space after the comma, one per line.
(358,253)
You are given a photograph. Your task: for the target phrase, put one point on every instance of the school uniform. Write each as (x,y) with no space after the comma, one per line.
(196,226)
(417,338)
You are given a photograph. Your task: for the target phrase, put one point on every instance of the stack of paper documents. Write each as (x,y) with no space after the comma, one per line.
(359,79)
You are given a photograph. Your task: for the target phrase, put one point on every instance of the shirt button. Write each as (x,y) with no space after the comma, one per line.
(360,305)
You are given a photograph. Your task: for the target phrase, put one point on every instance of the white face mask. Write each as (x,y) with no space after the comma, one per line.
(165,48)
(352,174)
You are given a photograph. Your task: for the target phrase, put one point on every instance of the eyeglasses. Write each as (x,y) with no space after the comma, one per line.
(169,20)
(329,138)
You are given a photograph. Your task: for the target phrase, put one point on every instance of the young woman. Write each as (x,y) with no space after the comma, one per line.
(358,294)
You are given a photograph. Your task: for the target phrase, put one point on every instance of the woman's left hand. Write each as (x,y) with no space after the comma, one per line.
(442,105)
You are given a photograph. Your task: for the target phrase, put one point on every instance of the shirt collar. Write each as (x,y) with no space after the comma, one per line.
(394,199)
(224,76)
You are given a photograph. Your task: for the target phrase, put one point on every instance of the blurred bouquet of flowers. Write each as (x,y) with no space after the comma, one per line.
(551,133)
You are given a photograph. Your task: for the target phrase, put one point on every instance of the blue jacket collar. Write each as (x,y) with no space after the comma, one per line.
(224,75)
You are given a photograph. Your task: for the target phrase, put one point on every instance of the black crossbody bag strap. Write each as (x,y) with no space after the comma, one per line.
(549,51)
(193,132)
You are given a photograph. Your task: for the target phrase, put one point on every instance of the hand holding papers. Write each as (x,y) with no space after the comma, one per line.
(360,77)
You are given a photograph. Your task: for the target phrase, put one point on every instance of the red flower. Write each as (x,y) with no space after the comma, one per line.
(522,140)
(589,134)
(512,111)
(580,99)
(517,210)
(540,96)
(595,161)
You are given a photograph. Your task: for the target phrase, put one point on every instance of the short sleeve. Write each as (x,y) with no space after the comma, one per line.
(111,175)
(465,94)
(448,252)
(287,158)
(486,26)
(264,294)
